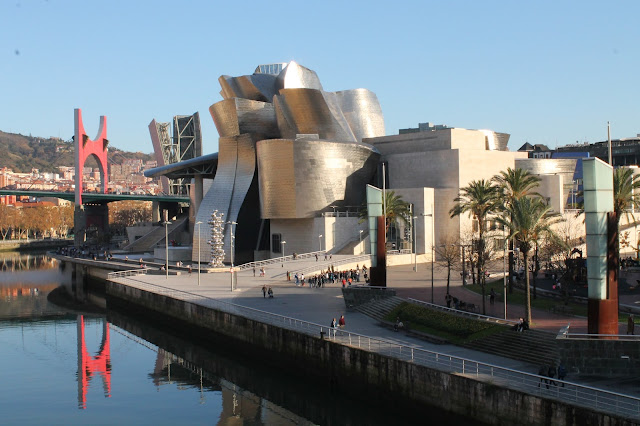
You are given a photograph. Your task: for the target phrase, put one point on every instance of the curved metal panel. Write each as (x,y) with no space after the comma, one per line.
(363,112)
(310,111)
(245,172)
(218,197)
(236,116)
(295,76)
(256,87)
(302,178)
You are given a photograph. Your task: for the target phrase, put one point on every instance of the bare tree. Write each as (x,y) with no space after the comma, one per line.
(448,251)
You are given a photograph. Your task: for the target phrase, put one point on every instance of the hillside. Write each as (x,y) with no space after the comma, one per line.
(23,153)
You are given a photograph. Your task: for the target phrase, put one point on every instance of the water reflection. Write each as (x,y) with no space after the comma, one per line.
(89,365)
(117,368)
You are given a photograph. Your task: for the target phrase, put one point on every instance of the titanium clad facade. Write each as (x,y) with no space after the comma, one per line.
(303,178)
(363,113)
(295,76)
(236,116)
(308,111)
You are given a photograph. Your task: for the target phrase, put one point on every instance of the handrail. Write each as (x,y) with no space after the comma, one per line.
(279,259)
(582,395)
(465,313)
(128,273)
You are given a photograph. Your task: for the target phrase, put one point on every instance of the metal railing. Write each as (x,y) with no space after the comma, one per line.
(465,313)
(564,334)
(573,393)
(129,273)
(401,251)
(280,259)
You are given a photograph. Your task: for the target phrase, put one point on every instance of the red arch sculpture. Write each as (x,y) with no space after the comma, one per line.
(84,147)
(88,365)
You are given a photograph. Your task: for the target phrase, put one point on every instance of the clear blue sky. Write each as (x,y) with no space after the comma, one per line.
(550,72)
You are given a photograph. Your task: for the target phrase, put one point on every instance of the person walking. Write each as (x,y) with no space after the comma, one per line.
(630,324)
(542,372)
(562,372)
(264,291)
(551,373)
(334,326)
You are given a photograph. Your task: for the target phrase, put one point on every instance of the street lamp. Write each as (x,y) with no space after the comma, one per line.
(433,245)
(166,243)
(320,241)
(232,249)
(415,243)
(282,243)
(198,223)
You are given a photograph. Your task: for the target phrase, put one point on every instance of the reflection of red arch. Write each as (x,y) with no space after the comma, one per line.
(88,365)
(85,147)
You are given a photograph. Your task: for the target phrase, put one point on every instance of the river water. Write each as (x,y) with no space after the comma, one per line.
(80,364)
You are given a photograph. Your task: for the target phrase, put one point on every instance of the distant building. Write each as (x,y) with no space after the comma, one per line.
(625,152)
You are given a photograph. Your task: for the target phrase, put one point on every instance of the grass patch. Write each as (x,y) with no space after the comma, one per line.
(455,328)
(518,297)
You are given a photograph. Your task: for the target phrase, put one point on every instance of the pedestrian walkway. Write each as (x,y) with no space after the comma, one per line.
(321,305)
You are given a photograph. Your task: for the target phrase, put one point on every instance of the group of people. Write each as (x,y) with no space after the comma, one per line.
(330,276)
(550,372)
(341,323)
(267,292)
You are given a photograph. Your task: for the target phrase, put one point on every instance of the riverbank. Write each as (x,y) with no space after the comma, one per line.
(380,375)
(33,245)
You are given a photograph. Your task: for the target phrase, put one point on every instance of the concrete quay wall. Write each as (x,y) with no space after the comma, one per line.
(382,379)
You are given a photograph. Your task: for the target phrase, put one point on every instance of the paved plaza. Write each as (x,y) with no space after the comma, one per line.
(321,305)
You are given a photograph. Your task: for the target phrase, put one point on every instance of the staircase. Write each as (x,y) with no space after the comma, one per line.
(378,309)
(536,347)
(533,346)
(152,238)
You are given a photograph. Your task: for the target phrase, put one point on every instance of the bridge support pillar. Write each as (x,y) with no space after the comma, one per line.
(79,225)
(155,211)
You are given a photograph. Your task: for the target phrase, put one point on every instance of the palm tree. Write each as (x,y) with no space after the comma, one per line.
(515,184)
(396,209)
(625,185)
(479,199)
(528,219)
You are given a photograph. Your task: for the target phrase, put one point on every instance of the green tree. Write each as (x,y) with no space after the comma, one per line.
(514,184)
(625,185)
(396,209)
(479,199)
(528,220)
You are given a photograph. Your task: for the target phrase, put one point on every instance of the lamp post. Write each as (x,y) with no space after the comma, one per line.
(320,241)
(433,245)
(166,243)
(198,223)
(414,220)
(282,243)
(231,223)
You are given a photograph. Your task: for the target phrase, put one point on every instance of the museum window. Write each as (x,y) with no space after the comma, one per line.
(276,245)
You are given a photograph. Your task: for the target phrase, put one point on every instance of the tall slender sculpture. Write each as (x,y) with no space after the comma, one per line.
(217,239)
